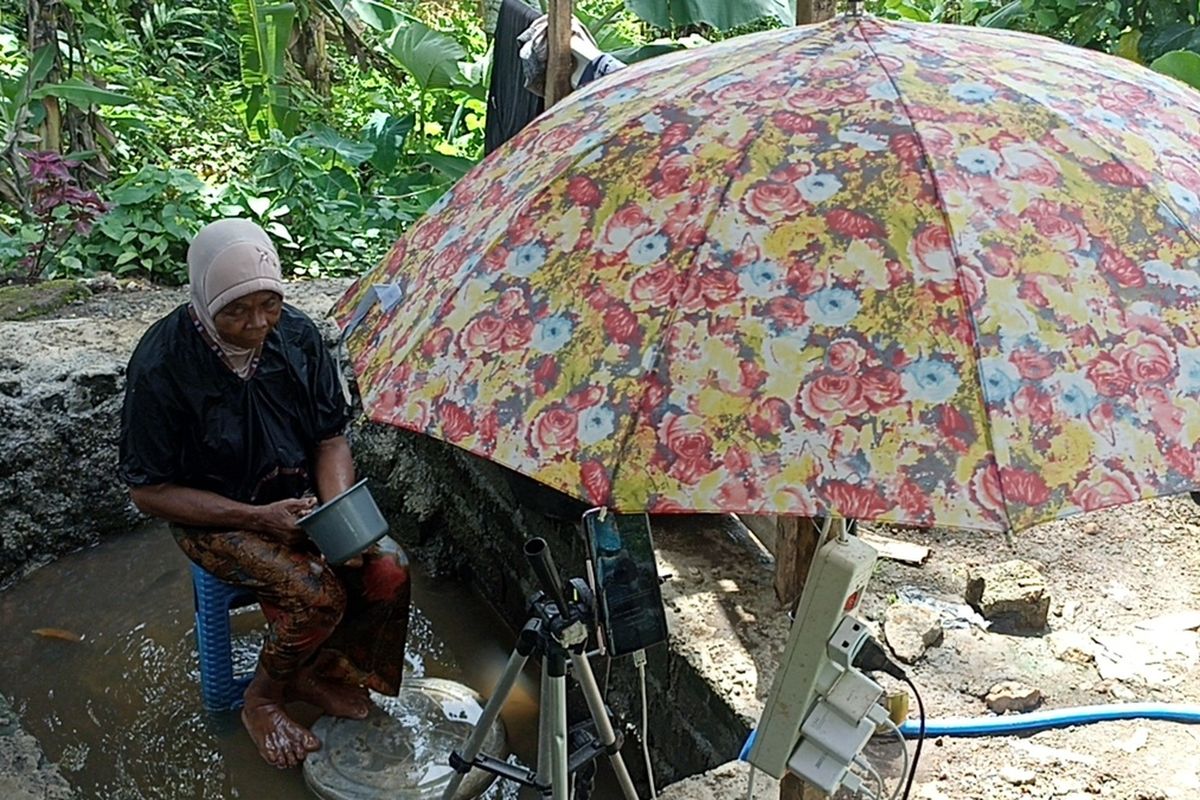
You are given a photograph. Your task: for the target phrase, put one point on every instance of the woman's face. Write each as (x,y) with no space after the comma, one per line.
(246,321)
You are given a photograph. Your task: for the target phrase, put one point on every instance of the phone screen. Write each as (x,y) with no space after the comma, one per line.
(627,588)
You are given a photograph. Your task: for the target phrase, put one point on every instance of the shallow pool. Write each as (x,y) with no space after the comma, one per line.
(120,711)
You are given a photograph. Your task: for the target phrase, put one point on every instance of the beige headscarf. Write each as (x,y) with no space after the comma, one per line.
(227,260)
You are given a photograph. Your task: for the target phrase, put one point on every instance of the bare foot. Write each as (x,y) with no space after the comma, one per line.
(281,742)
(335,699)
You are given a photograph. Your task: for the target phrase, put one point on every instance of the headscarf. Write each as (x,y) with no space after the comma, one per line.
(227,260)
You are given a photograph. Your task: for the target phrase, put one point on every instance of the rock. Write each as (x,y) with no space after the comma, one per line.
(1072,647)
(20,302)
(1136,741)
(24,772)
(910,630)
(1068,786)
(1178,621)
(1012,696)
(1012,594)
(1091,528)
(1018,776)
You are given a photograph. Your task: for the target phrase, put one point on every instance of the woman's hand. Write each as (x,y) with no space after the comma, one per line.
(278,520)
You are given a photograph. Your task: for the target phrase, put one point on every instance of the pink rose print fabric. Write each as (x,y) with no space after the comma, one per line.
(889,271)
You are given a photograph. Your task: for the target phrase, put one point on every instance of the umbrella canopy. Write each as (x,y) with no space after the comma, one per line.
(889,271)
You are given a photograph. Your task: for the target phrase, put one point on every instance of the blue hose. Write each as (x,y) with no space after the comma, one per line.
(1053,718)
(1040,720)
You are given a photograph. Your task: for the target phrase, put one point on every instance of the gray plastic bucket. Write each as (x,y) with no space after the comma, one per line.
(347,524)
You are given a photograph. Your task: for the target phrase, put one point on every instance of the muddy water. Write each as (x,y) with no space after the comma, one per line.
(120,709)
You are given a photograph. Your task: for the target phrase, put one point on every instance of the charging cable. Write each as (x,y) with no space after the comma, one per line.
(639,661)
(904,749)
(872,658)
(864,763)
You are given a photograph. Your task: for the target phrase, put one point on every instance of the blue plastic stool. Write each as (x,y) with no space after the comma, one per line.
(219,687)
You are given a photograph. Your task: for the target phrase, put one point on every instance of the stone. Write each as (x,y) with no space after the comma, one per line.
(1018,776)
(1009,696)
(910,630)
(1072,647)
(1091,528)
(24,772)
(1012,595)
(21,302)
(1136,741)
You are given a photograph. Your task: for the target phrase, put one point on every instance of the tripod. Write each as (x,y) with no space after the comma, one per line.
(557,631)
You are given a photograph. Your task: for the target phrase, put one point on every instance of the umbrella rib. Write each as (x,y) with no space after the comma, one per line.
(634,418)
(1191,234)
(940,202)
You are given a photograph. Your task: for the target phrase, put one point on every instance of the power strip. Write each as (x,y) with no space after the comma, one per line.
(815,656)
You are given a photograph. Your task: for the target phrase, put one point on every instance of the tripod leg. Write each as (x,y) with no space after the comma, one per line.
(516,662)
(604,728)
(556,676)
(545,727)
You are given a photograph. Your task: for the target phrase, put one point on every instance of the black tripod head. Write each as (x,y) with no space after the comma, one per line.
(559,606)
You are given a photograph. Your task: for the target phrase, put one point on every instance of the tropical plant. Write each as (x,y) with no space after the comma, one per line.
(1181,64)
(722,15)
(62,207)
(264,32)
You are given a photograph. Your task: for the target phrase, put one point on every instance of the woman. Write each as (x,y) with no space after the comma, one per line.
(234,417)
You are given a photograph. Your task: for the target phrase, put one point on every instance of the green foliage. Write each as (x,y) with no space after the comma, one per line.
(206,116)
(155,213)
(335,181)
(1180,64)
(430,56)
(264,33)
(719,14)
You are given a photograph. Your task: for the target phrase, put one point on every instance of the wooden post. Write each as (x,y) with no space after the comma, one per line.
(558,51)
(796,542)
(809,11)
(796,547)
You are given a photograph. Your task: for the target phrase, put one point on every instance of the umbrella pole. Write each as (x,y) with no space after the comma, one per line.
(558,51)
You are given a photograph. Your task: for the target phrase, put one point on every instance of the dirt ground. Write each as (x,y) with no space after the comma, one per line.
(1112,578)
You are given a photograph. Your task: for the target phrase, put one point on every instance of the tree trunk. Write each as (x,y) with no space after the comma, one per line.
(42,26)
(308,51)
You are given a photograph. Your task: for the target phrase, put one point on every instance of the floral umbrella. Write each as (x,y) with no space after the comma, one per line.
(890,271)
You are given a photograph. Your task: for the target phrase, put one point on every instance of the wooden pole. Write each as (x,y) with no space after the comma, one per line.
(810,11)
(558,51)
(796,547)
(796,542)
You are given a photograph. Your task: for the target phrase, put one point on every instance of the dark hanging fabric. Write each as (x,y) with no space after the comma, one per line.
(510,106)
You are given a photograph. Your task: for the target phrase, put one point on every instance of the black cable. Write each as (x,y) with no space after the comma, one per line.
(872,658)
(912,770)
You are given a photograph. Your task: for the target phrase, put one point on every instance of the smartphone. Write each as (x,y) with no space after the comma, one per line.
(628,599)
